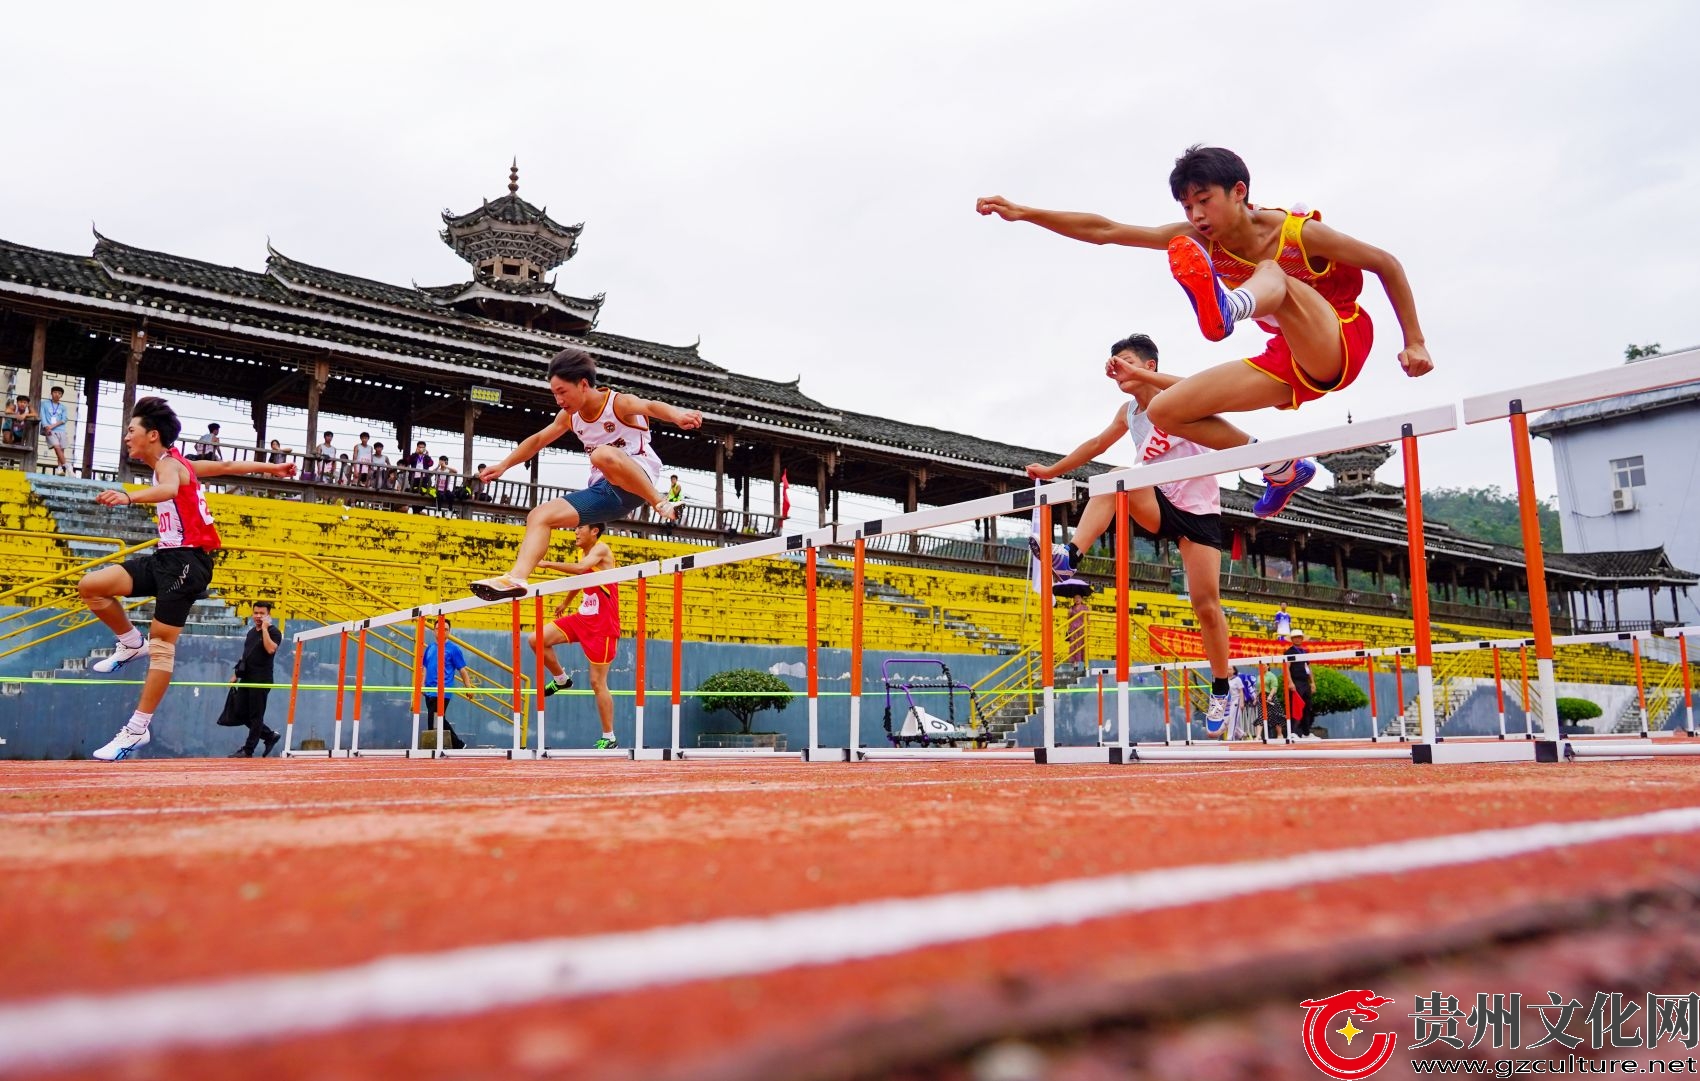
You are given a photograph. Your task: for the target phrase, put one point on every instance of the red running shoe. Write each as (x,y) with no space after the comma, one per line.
(1190,264)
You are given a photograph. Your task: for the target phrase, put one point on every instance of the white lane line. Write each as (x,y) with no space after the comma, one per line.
(61,1031)
(622,794)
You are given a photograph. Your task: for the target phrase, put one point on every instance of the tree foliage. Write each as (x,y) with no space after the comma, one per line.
(1636,352)
(1490,514)
(1571,710)
(744,692)
(1334,693)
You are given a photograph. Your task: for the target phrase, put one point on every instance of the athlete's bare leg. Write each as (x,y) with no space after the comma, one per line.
(604,698)
(99,590)
(623,471)
(1189,408)
(158,679)
(1307,321)
(552,637)
(1203,566)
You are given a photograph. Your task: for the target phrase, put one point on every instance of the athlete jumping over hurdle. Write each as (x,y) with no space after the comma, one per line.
(1299,279)
(176,574)
(614,429)
(1188,511)
(595,627)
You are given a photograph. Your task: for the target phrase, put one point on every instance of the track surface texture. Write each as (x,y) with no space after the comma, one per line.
(776,920)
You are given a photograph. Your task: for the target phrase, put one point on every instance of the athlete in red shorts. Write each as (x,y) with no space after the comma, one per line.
(1296,277)
(595,627)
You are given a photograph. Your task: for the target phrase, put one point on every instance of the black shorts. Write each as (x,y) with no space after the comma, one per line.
(175,577)
(1174,523)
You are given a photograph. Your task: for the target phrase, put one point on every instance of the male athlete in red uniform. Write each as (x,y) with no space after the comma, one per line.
(1298,278)
(595,627)
(176,575)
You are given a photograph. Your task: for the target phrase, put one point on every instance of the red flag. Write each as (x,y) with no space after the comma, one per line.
(784,495)
(1239,547)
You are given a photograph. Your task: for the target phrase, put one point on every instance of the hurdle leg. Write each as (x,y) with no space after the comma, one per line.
(1123,628)
(640,676)
(1534,561)
(294,688)
(341,689)
(418,678)
(1498,691)
(1419,586)
(1687,683)
(1528,707)
(1640,688)
(1047,629)
(857,582)
(439,750)
(678,660)
(541,670)
(1374,722)
(1167,738)
(518,749)
(359,692)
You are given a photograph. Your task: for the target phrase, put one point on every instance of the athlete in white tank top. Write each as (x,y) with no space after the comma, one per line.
(622,454)
(1199,495)
(609,429)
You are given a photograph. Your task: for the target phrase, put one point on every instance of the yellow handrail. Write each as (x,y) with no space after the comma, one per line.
(129,606)
(78,569)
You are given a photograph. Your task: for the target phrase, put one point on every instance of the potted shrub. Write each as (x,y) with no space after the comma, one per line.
(1574,710)
(744,692)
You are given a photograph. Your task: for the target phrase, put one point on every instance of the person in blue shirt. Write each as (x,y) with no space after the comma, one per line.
(53,422)
(453,661)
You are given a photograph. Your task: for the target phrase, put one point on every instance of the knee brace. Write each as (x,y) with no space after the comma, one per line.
(162,655)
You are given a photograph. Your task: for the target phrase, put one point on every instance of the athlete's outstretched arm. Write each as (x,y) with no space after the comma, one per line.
(170,476)
(530,446)
(1090,228)
(1084,453)
(628,406)
(208,470)
(1326,243)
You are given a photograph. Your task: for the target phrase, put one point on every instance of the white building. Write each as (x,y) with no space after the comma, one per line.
(1629,485)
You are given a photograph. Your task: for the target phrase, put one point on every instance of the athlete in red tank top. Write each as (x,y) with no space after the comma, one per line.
(1298,276)
(595,626)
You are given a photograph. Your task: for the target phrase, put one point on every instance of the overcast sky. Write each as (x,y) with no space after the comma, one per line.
(794,183)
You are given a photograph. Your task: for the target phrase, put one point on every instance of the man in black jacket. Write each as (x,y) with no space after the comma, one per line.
(246,705)
(1303,688)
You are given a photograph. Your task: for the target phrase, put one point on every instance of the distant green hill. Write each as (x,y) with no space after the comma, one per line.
(1489,514)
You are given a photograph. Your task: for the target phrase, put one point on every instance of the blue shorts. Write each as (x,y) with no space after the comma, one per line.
(603,502)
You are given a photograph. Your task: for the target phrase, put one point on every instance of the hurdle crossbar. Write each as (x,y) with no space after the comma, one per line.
(1442,418)
(1515,405)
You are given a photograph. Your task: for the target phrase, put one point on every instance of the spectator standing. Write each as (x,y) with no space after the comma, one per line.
(380,467)
(453,661)
(362,455)
(1303,689)
(1283,622)
(246,706)
(53,423)
(207,447)
(278,453)
(326,453)
(418,468)
(445,482)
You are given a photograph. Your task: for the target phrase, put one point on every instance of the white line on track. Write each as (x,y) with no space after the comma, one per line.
(620,794)
(60,1032)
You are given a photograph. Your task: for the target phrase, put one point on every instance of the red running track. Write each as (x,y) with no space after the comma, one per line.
(147,887)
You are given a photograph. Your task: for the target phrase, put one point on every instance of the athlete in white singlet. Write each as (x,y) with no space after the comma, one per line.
(1187,511)
(615,430)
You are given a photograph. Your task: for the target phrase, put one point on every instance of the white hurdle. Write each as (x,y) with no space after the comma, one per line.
(1406,429)
(1515,405)
(1681,635)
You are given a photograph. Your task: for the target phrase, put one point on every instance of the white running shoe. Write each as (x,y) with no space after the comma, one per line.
(120,654)
(1216,716)
(124,744)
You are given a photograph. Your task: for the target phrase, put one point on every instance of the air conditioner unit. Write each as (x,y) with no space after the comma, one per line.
(1622,499)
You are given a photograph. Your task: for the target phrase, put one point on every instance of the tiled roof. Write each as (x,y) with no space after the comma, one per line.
(1606,409)
(53,270)
(163,267)
(1648,564)
(512,210)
